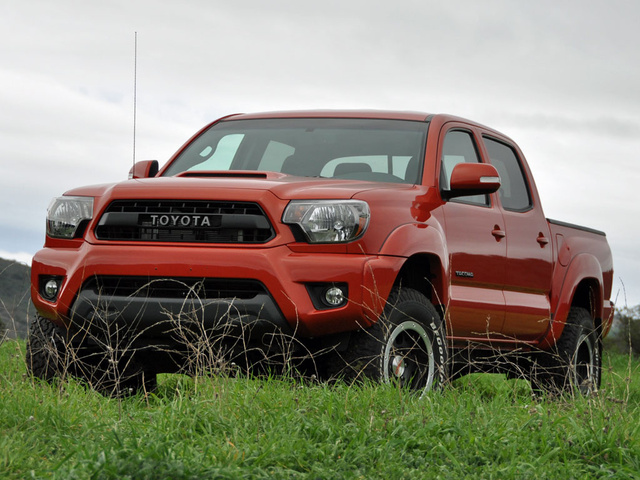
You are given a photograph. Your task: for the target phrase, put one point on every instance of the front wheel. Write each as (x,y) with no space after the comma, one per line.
(406,346)
(46,356)
(51,354)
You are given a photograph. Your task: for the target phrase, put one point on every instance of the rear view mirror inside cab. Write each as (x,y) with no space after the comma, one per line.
(472,179)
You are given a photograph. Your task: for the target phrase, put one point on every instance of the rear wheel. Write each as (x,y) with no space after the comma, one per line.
(575,364)
(405,347)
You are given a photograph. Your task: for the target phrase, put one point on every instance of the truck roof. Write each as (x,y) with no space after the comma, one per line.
(373,114)
(383,114)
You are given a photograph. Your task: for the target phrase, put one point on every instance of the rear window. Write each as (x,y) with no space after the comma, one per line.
(360,149)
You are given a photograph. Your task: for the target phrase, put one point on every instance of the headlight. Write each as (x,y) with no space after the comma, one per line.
(66,214)
(328,221)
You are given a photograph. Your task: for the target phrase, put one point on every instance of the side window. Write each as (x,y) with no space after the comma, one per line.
(514,192)
(459,147)
(220,157)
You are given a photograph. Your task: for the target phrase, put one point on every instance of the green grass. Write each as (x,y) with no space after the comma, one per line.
(220,427)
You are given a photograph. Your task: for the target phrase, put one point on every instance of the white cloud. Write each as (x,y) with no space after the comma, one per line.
(21,257)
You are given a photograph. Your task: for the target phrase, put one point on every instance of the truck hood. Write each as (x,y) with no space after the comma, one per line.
(285,187)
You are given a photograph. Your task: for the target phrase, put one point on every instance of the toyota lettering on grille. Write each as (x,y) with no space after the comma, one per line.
(201,221)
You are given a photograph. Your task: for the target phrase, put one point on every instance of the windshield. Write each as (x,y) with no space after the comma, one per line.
(360,149)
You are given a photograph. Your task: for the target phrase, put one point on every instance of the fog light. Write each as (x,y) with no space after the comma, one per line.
(328,295)
(334,296)
(51,288)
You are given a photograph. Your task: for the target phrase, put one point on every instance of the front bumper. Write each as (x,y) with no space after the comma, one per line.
(284,302)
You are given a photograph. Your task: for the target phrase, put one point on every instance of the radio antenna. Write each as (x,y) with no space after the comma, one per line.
(135,86)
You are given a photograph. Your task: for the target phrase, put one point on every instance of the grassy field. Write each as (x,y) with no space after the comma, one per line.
(220,427)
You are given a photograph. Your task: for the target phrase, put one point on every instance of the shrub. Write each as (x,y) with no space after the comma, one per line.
(625,333)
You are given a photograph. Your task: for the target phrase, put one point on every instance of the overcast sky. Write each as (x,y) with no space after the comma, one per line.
(562,78)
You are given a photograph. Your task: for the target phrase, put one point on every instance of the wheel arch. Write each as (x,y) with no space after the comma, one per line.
(587,295)
(425,273)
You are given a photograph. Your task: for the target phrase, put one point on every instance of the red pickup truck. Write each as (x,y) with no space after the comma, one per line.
(399,246)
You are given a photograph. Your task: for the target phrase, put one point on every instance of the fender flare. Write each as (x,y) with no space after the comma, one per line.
(583,268)
(414,239)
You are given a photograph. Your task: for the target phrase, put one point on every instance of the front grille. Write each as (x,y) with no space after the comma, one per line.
(191,221)
(174,288)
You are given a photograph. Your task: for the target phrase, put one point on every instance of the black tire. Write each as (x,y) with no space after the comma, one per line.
(46,349)
(50,355)
(406,346)
(575,365)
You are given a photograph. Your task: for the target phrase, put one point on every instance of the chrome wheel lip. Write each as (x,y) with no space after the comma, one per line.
(397,363)
(583,373)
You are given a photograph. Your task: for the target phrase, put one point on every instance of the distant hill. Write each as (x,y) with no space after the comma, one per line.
(15,298)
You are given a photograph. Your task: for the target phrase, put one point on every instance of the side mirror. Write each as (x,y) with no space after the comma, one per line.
(144,169)
(472,179)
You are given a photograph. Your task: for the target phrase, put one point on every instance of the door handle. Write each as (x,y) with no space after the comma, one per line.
(498,233)
(542,240)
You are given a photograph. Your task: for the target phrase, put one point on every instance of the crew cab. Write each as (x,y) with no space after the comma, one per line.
(400,246)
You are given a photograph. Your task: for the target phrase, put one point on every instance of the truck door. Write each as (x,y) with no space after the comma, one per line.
(477,248)
(529,264)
